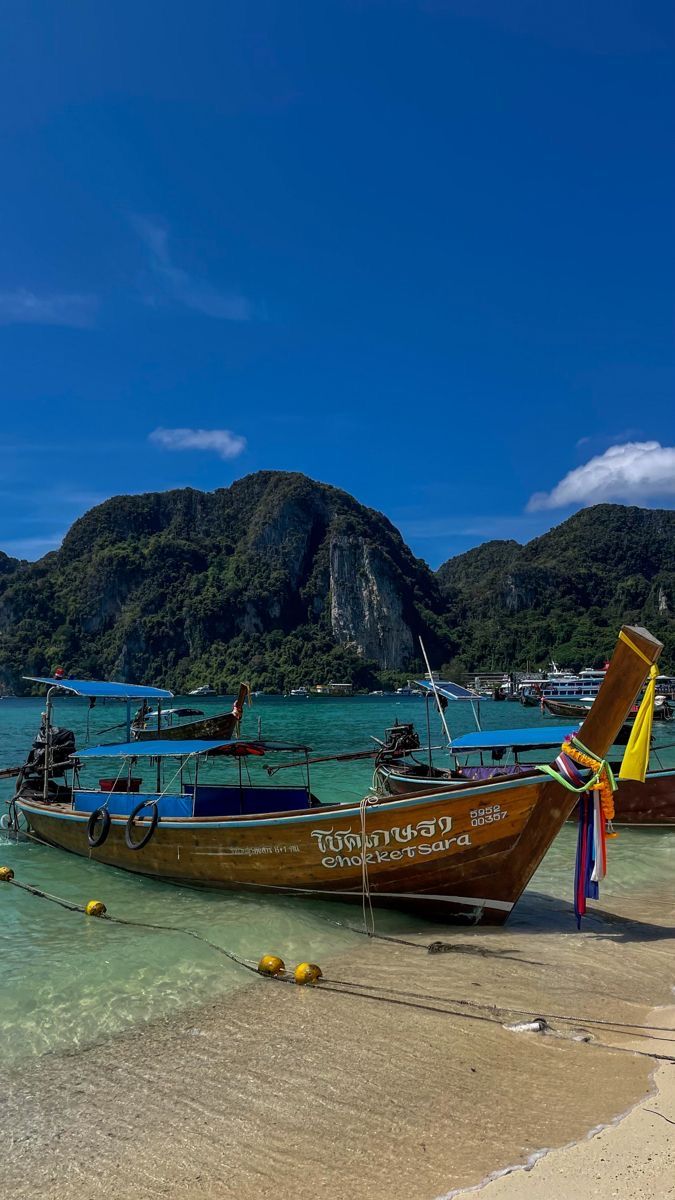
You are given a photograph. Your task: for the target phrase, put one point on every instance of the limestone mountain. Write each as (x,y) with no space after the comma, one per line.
(287,581)
(564,594)
(277,578)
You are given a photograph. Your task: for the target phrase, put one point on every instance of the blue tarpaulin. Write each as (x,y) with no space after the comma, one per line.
(122,804)
(99,688)
(167,748)
(516,739)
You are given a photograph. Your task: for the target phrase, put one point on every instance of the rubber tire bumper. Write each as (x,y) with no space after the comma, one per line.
(128,829)
(99,814)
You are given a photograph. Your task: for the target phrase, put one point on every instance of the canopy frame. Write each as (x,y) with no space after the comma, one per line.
(94,689)
(170,748)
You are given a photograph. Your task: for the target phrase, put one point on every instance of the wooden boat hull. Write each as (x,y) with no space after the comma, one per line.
(651,803)
(648,803)
(399,780)
(441,855)
(579,712)
(563,708)
(222,725)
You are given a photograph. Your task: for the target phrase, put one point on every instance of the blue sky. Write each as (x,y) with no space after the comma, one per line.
(420,249)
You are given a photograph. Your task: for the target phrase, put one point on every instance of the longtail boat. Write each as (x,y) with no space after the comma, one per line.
(651,803)
(459,854)
(576,711)
(150,727)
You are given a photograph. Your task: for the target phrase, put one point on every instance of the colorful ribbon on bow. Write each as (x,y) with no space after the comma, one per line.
(596,809)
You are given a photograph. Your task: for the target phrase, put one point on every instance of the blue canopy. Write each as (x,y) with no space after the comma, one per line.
(98,688)
(516,739)
(166,748)
(451,691)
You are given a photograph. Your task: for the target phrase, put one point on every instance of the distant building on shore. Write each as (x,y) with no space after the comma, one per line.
(332,689)
(486,682)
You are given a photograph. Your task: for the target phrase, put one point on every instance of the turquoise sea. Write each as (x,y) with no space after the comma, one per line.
(68,981)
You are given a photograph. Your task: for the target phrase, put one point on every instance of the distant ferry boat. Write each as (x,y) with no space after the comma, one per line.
(586,683)
(561,685)
(204,690)
(301,691)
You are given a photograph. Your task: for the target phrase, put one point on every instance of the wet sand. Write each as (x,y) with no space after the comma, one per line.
(633,1157)
(401,1092)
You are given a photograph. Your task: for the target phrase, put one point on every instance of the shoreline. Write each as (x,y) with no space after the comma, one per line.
(225,1099)
(636,1143)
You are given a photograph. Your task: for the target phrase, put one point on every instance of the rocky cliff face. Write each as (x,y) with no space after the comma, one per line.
(366,605)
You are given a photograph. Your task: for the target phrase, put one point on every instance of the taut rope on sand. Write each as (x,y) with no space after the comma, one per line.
(493,1013)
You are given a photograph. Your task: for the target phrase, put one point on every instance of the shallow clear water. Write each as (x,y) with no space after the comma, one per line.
(68,980)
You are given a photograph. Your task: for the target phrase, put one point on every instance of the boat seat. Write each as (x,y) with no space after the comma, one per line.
(214,801)
(122,804)
(497,771)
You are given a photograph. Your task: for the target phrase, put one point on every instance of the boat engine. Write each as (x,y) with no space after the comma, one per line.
(61,750)
(400,739)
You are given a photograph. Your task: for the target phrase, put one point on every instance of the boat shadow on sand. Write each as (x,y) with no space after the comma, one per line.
(543,915)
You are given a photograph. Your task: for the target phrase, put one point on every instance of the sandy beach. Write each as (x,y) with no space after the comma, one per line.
(633,1157)
(409,1088)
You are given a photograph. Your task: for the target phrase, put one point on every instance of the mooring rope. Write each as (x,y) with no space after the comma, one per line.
(425,1002)
(71,906)
(503,1009)
(368,916)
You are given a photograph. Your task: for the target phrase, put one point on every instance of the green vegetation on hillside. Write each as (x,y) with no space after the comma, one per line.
(565,594)
(285,581)
(184,587)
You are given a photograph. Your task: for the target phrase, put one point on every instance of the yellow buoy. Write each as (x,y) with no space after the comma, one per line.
(95,908)
(271,965)
(6,874)
(307,973)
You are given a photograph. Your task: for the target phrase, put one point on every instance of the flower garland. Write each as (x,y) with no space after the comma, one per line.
(603,779)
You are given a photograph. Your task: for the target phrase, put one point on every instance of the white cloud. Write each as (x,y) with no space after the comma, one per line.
(22,307)
(221,441)
(633,472)
(178,285)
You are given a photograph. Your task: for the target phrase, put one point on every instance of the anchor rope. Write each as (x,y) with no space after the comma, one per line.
(497,1020)
(366,900)
(491,1013)
(71,906)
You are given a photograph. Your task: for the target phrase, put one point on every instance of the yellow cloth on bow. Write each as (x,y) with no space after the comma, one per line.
(636,756)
